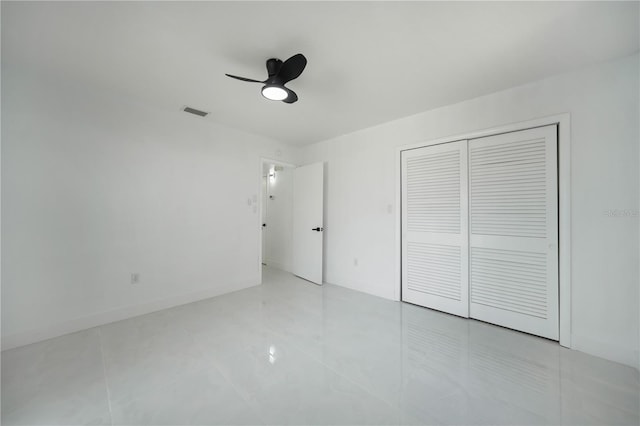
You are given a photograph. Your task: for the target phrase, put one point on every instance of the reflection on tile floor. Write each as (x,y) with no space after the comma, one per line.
(290,352)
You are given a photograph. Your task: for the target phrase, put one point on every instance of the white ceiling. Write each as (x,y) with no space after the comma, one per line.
(369,62)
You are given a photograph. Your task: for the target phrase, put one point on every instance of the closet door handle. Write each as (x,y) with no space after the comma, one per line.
(318,229)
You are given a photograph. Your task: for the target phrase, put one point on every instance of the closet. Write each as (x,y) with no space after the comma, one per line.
(480,229)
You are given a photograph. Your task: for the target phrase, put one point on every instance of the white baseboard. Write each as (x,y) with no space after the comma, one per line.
(277,265)
(365,289)
(605,350)
(588,345)
(580,343)
(102,318)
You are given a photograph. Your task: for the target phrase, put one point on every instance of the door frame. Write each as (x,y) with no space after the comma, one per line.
(262,161)
(563,121)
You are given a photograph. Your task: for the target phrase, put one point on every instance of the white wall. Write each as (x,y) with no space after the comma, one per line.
(95,188)
(603,103)
(279,232)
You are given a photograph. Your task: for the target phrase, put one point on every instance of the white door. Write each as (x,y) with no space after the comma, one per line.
(308,195)
(513,215)
(265,197)
(435,227)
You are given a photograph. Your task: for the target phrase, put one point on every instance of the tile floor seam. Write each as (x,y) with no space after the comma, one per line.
(106,377)
(358,385)
(312,357)
(237,391)
(330,344)
(217,368)
(120,401)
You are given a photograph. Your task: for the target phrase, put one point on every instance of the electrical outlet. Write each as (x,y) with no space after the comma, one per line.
(355,261)
(135,278)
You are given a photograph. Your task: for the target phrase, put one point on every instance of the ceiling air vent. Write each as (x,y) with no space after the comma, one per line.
(195,111)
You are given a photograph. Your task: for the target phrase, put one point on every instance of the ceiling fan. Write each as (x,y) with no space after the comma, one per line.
(280,73)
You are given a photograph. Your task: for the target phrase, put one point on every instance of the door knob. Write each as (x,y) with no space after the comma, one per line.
(318,229)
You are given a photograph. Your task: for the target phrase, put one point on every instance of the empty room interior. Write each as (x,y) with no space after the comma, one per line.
(320,213)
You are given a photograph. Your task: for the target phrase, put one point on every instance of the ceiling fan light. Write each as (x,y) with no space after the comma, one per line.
(274,92)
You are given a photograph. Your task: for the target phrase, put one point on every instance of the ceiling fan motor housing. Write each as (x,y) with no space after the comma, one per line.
(273,66)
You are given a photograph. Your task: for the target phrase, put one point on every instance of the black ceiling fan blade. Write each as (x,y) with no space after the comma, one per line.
(244,79)
(291,98)
(292,68)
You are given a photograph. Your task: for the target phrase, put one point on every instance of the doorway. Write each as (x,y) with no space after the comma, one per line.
(291,219)
(276,215)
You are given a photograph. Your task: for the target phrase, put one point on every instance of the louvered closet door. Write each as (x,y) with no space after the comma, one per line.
(513,215)
(434,227)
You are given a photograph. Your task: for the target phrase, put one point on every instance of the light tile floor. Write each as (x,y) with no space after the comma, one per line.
(290,352)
